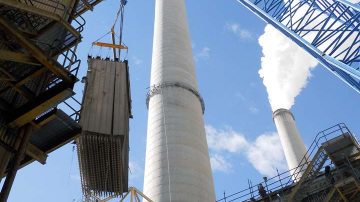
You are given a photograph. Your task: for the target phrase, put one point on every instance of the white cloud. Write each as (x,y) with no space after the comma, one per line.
(204,54)
(236,29)
(219,163)
(136,60)
(225,140)
(264,153)
(134,170)
(240,96)
(254,109)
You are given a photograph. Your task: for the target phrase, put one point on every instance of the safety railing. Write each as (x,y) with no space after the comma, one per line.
(70,63)
(72,107)
(52,6)
(320,138)
(274,186)
(68,59)
(83,7)
(38,21)
(27,21)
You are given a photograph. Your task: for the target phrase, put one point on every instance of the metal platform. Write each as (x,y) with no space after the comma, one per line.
(53,130)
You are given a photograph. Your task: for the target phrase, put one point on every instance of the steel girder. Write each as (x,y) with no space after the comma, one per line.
(327,29)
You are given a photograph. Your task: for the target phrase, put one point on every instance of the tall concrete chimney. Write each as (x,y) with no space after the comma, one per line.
(293,146)
(177,166)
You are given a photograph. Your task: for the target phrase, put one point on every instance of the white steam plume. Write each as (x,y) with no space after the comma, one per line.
(285,68)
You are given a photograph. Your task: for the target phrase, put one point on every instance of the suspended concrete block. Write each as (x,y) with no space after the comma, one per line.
(104,142)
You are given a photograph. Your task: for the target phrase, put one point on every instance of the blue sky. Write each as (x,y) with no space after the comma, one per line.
(227,54)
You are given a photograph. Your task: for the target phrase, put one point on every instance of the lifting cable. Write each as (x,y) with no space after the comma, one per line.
(117,47)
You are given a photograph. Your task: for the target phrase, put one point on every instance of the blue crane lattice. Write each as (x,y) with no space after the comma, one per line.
(327,29)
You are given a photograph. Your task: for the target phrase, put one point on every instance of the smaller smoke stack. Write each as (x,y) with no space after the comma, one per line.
(293,146)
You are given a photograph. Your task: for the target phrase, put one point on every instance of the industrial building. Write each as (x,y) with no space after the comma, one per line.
(39,68)
(329,172)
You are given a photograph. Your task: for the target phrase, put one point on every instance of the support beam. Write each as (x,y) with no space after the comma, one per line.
(330,194)
(17,57)
(8,77)
(36,52)
(44,102)
(69,137)
(22,90)
(5,106)
(36,73)
(87,5)
(19,156)
(23,80)
(36,153)
(134,195)
(31,150)
(84,9)
(110,45)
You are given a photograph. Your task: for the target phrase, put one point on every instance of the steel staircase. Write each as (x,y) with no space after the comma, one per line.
(343,180)
(309,175)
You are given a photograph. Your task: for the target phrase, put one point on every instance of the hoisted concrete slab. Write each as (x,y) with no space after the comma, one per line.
(104,143)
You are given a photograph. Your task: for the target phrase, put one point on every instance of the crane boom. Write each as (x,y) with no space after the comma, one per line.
(327,29)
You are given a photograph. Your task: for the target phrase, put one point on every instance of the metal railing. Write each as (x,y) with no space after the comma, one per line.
(68,60)
(37,22)
(72,107)
(61,47)
(48,5)
(274,186)
(82,7)
(320,138)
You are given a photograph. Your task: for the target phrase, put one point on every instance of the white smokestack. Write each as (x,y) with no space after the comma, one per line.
(293,146)
(285,68)
(177,166)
